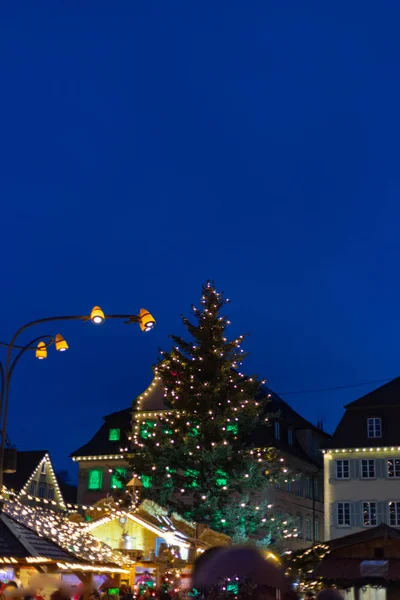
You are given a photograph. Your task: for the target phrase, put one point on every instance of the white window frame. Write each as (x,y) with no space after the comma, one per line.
(343,506)
(396,472)
(40,488)
(368,461)
(290,437)
(50,493)
(371,507)
(277,430)
(374,425)
(43,468)
(32,488)
(341,463)
(396,513)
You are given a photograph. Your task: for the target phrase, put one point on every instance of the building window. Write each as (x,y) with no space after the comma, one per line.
(290,437)
(374,428)
(394,514)
(368,468)
(117,478)
(369,514)
(316,489)
(50,493)
(299,525)
(317,531)
(114,435)
(343,514)
(342,469)
(299,487)
(290,486)
(41,491)
(32,488)
(43,468)
(393,467)
(308,487)
(308,530)
(95,479)
(277,427)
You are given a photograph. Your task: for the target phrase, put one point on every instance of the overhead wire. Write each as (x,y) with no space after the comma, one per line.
(336,387)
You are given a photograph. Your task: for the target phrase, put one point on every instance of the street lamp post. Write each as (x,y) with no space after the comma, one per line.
(40,345)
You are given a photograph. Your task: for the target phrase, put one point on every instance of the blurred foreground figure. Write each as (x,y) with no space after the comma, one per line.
(239,573)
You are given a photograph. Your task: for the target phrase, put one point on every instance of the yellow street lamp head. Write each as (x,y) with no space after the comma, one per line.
(41,351)
(97,316)
(61,344)
(146,320)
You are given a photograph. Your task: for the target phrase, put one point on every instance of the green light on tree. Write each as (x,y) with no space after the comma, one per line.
(146,481)
(221,478)
(117,478)
(146,429)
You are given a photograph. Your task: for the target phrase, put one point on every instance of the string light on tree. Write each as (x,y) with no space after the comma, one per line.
(204,435)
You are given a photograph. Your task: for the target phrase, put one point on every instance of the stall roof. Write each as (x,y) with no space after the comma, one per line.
(44,533)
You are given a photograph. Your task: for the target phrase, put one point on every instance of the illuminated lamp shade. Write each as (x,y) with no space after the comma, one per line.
(41,351)
(146,320)
(61,344)
(97,316)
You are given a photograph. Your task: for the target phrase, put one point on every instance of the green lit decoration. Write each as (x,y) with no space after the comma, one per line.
(146,429)
(233,428)
(194,431)
(146,481)
(95,479)
(114,435)
(221,478)
(192,475)
(117,478)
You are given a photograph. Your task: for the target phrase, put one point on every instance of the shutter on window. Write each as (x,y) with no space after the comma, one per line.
(379,467)
(332,469)
(355,514)
(354,468)
(381,516)
(334,518)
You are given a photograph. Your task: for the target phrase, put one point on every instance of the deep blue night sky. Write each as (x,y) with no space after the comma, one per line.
(147,146)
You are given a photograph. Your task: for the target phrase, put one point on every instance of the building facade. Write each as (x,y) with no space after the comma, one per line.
(301,498)
(106,455)
(362,465)
(34,479)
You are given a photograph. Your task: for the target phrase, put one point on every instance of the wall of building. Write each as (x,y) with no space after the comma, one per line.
(355,490)
(302,500)
(91,496)
(140,537)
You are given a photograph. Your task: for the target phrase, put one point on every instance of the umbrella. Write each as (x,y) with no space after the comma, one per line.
(239,562)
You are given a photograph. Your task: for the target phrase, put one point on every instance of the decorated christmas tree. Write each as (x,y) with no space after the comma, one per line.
(200,458)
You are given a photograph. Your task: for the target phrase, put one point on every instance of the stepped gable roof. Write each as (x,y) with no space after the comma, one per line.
(152,399)
(283,412)
(100,444)
(383,403)
(27,462)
